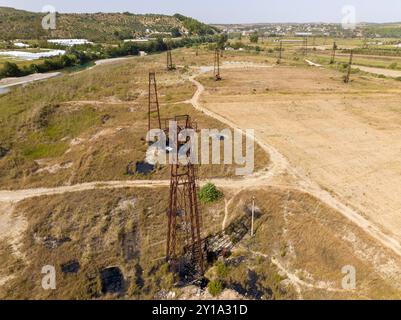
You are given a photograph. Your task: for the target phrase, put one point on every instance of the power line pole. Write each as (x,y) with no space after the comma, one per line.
(253,216)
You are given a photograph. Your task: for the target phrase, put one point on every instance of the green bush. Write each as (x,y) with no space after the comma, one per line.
(254,37)
(10,70)
(221,269)
(209,193)
(215,287)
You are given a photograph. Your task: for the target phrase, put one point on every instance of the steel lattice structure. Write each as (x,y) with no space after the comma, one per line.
(184,244)
(347,77)
(280,54)
(153,104)
(216,71)
(333,54)
(170,65)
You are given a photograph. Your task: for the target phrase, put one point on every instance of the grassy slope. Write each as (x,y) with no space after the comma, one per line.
(310,240)
(40,125)
(20,24)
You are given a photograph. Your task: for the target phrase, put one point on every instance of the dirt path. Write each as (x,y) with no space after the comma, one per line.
(11,226)
(11,82)
(380,71)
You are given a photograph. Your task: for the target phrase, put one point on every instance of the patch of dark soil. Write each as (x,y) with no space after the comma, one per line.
(144,168)
(130,244)
(139,281)
(3,151)
(105,118)
(70,267)
(42,119)
(112,280)
(253,288)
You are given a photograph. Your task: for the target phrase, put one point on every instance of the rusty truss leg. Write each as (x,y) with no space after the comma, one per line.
(280,54)
(305,46)
(184,244)
(153,104)
(333,54)
(170,65)
(217,75)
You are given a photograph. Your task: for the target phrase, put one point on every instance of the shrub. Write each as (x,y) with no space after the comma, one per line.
(221,269)
(10,70)
(215,287)
(209,193)
(254,37)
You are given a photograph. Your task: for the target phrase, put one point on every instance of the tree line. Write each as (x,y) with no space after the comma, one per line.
(83,54)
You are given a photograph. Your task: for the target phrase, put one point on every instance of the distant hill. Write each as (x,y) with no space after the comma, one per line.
(19,24)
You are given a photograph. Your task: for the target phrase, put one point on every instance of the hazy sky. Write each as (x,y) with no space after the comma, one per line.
(231,11)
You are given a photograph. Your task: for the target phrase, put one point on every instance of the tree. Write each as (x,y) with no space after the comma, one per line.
(254,37)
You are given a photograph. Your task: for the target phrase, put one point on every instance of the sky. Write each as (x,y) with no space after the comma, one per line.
(231,11)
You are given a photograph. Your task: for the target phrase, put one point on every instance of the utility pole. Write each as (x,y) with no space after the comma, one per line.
(253,216)
(305,46)
(333,56)
(347,77)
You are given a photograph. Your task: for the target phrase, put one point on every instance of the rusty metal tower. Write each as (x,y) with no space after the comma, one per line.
(184,243)
(305,46)
(154,120)
(170,65)
(347,77)
(333,54)
(280,53)
(217,75)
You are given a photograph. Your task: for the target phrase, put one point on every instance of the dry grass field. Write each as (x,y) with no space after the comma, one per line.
(312,129)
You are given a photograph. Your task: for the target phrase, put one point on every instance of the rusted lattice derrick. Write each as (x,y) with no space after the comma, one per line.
(333,53)
(216,71)
(154,120)
(170,65)
(184,244)
(348,75)
(305,50)
(280,53)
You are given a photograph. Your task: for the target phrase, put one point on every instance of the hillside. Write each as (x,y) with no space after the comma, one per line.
(19,24)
